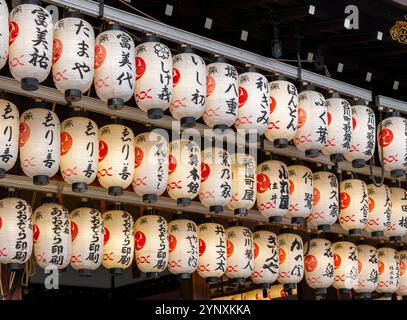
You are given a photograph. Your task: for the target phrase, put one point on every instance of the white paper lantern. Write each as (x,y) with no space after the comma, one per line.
(291,260)
(79,152)
(301,193)
(87,240)
(189,92)
(363,135)
(30,44)
(389,271)
(272,189)
(345,266)
(319,264)
(4,33)
(73,56)
(9,128)
(151,244)
(52,236)
(183,248)
(265,263)
(243,183)
(16,233)
(339,128)
(367,271)
(398,218)
(216,179)
(402,290)
(283,118)
(39,142)
(184,171)
(212,251)
(354,205)
(118,243)
(116,158)
(379,209)
(239,249)
(151,166)
(254,101)
(325,208)
(312,130)
(221,94)
(392,141)
(114,66)
(154,84)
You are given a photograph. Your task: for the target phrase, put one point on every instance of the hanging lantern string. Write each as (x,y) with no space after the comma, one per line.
(380,145)
(138,11)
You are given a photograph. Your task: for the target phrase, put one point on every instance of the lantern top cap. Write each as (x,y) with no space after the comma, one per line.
(279,77)
(35,2)
(186,49)
(114,26)
(308,87)
(218,58)
(49,198)
(333,94)
(383,245)
(262,227)
(358,102)
(249,68)
(73,14)
(148,37)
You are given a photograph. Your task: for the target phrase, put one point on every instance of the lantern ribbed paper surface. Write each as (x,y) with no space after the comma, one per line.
(212,251)
(114,66)
(254,100)
(325,207)
(116,158)
(265,264)
(189,92)
(39,143)
(153,88)
(272,189)
(184,171)
(398,217)
(389,270)
(319,265)
(283,118)
(243,183)
(221,95)
(183,247)
(312,131)
(52,236)
(87,240)
(30,40)
(16,232)
(379,209)
(118,243)
(151,165)
(354,205)
(291,259)
(216,179)
(345,265)
(151,244)
(402,290)
(4,33)
(363,135)
(301,193)
(392,139)
(239,249)
(9,127)
(73,56)
(79,152)
(339,129)
(367,270)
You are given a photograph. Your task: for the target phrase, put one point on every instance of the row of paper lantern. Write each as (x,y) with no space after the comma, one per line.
(160,82)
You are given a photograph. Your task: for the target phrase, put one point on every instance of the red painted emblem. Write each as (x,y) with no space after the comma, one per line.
(359,266)
(100,55)
(281,255)
(13,32)
(24,134)
(302,117)
(140,67)
(291,187)
(139,156)
(263,182)
(1,223)
(74,230)
(345,200)
(57,50)
(403,267)
(66,142)
(210,85)
(202,247)
(242,96)
(172,242)
(102,150)
(329,118)
(176,75)
(316,196)
(371,204)
(36,232)
(381,266)
(273,104)
(140,240)
(310,263)
(229,248)
(172,164)
(256,250)
(385,137)
(205,171)
(106,235)
(353,123)
(337,261)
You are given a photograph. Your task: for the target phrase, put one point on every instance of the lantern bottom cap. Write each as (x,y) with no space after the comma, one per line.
(264,286)
(395,238)
(252,136)
(152,275)
(221,127)
(188,122)
(115,191)
(280,143)
(397,173)
(149,198)
(344,291)
(12,267)
(115,104)
(358,163)
(364,295)
(2,173)
(239,281)
(324,227)
(276,219)
(211,280)
(36,2)
(29,84)
(85,273)
(72,95)
(377,234)
(355,231)
(183,202)
(386,294)
(320,291)
(289,286)
(183,276)
(241,212)
(298,220)
(41,180)
(216,209)
(116,271)
(312,153)
(155,113)
(336,157)
(79,187)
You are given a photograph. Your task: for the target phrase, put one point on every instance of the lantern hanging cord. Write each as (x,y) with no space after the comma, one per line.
(138,11)
(380,145)
(14,281)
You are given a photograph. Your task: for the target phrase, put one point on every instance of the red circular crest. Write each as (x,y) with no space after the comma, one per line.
(74,230)
(353,123)
(106,235)
(102,150)
(337,261)
(210,85)
(13,32)
(345,200)
(263,182)
(100,55)
(316,196)
(172,242)
(176,75)
(329,118)
(229,248)
(385,137)
(273,104)
(403,267)
(172,164)
(256,250)
(140,240)
(57,50)
(291,187)
(371,204)
(139,156)
(36,232)
(302,117)
(66,142)
(359,266)
(205,171)
(381,266)
(281,255)
(24,134)
(140,67)
(1,223)
(310,263)
(242,96)
(202,247)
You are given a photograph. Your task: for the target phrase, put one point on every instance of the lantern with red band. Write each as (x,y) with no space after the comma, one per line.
(402,290)
(153,88)
(4,31)
(9,126)
(379,209)
(30,40)
(367,271)
(73,55)
(79,152)
(114,76)
(189,92)
(345,266)
(389,270)
(398,226)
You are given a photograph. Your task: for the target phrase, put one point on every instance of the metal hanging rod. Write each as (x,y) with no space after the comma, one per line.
(386,102)
(139,23)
